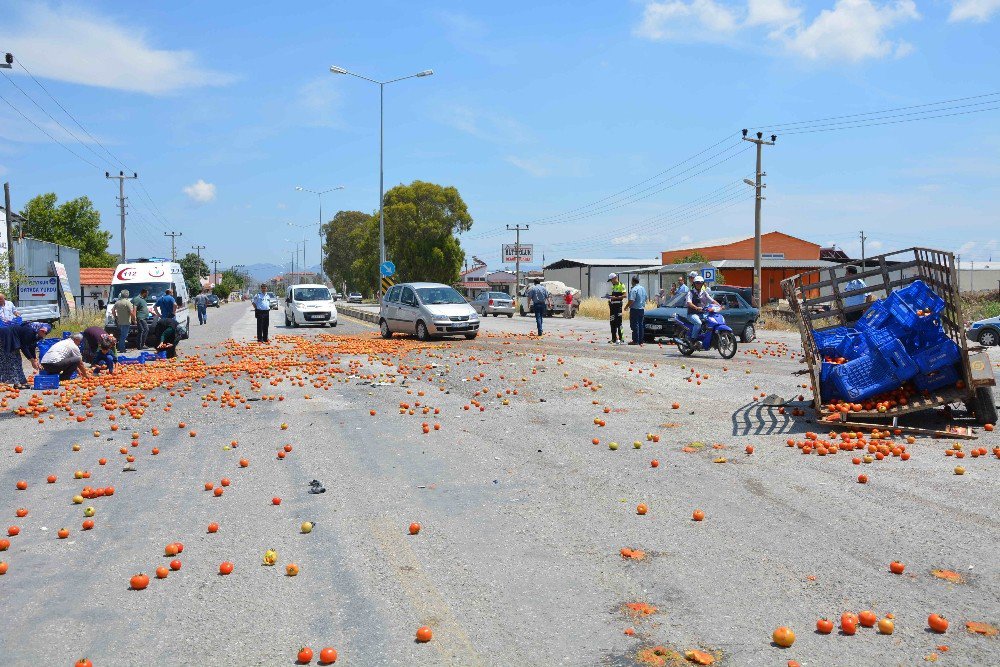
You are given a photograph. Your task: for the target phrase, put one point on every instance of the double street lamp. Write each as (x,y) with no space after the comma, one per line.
(381,135)
(319,195)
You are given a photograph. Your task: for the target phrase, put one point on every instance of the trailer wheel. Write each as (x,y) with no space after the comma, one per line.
(986,407)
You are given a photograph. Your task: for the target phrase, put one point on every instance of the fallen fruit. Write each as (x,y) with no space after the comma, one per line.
(305,653)
(896,567)
(139,581)
(886,626)
(306,527)
(328,655)
(641,509)
(162,572)
(824,626)
(414,528)
(226,567)
(867,619)
(213,527)
(698,515)
(424,634)
(783,636)
(937,623)
(291,569)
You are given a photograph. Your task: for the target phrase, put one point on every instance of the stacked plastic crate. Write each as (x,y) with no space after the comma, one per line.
(897,340)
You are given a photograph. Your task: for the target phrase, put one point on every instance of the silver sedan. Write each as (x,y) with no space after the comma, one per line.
(494,303)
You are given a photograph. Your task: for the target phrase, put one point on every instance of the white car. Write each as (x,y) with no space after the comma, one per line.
(309,304)
(985,332)
(427,310)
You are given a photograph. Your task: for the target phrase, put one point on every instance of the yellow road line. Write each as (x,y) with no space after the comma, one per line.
(450,638)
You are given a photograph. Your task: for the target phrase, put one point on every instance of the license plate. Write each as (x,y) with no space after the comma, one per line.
(654,327)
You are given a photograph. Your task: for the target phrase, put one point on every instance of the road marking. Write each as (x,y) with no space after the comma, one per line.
(450,638)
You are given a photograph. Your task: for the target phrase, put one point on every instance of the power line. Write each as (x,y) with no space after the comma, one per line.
(45,132)
(891,122)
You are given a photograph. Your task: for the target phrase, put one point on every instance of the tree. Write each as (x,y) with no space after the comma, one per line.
(193,267)
(343,244)
(230,281)
(421,223)
(697,258)
(75,223)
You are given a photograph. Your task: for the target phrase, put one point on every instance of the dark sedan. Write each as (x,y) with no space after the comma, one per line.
(214,301)
(740,315)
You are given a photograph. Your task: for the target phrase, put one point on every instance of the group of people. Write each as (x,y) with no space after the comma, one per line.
(634,299)
(92,346)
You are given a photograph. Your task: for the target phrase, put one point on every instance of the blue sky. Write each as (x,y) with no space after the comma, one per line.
(535,110)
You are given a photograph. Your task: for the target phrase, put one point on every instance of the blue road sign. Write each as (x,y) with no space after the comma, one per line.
(387,269)
(708,273)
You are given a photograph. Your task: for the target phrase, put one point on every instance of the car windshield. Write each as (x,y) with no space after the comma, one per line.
(439,295)
(311,294)
(499,295)
(156,290)
(271,294)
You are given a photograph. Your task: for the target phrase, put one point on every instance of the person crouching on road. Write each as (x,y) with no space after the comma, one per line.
(65,357)
(636,311)
(17,340)
(166,333)
(106,355)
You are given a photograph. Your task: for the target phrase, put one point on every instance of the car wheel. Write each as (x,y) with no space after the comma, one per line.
(749,333)
(422,331)
(333,324)
(989,337)
(384,328)
(470,336)
(510,315)
(496,314)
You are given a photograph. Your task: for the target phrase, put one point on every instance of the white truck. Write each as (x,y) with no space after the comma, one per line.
(556,304)
(156,276)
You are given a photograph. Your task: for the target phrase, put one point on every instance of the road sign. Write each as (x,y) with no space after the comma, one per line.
(387,269)
(387,282)
(511,251)
(39,288)
(708,273)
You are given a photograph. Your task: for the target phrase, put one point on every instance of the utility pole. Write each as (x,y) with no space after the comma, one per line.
(121,200)
(215,272)
(8,214)
(863,239)
(173,247)
(759,186)
(517,229)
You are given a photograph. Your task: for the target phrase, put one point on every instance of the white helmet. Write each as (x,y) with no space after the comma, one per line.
(698,279)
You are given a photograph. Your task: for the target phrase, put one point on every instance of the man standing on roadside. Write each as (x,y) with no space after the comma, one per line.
(201,303)
(165,305)
(141,318)
(636,310)
(124,311)
(616,300)
(262,311)
(538,297)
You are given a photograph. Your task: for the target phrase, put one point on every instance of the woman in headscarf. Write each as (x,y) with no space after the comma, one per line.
(15,341)
(167,333)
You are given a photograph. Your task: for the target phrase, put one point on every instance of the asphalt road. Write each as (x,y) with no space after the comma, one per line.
(518,561)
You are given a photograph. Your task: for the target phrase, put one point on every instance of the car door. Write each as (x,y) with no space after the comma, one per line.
(479,303)
(408,310)
(390,307)
(735,313)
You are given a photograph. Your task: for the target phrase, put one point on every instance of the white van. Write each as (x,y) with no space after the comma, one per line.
(309,304)
(156,275)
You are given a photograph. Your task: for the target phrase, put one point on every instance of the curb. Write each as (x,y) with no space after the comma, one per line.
(362,315)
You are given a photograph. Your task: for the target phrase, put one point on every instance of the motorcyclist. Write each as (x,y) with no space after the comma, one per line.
(698,300)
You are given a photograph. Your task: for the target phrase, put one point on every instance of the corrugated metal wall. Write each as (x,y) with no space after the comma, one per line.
(32,258)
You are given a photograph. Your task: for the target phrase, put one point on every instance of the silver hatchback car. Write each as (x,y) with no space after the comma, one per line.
(494,303)
(427,310)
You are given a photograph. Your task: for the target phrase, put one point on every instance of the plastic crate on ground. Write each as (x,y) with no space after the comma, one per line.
(44,381)
(128,361)
(44,345)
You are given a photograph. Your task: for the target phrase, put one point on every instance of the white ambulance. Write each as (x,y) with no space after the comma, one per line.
(157,276)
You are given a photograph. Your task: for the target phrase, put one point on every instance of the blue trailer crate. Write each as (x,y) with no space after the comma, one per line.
(853,346)
(918,296)
(936,379)
(162,354)
(935,357)
(44,381)
(876,317)
(863,378)
(899,361)
(828,340)
(828,389)
(44,345)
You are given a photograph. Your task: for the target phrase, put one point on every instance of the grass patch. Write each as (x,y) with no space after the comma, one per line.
(79,321)
(599,309)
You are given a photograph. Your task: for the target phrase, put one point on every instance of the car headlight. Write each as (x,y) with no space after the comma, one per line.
(474,317)
(441,318)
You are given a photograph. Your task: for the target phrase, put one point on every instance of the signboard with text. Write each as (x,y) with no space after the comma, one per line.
(59,270)
(511,252)
(39,288)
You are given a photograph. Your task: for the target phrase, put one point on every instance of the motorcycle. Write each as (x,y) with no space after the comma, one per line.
(715,333)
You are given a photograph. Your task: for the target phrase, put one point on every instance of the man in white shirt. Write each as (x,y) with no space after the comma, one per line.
(65,357)
(7,310)
(855,299)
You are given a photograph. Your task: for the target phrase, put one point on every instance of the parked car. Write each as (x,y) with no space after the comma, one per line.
(985,332)
(494,303)
(427,310)
(740,316)
(745,292)
(214,301)
(309,304)
(354,297)
(274,300)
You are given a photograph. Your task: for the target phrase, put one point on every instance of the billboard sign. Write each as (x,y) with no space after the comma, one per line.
(511,252)
(67,290)
(39,288)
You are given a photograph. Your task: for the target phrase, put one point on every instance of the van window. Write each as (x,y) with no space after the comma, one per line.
(408,298)
(393,295)
(439,295)
(311,294)
(156,290)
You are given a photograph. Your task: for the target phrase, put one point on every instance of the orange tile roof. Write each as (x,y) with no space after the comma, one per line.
(98,276)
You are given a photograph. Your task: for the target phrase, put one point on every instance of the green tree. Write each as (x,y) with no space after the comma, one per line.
(193,267)
(230,281)
(694,258)
(422,221)
(343,245)
(74,223)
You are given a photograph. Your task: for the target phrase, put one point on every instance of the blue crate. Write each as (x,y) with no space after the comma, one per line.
(827,340)
(827,388)
(853,346)
(44,345)
(148,356)
(899,361)
(43,381)
(66,334)
(128,361)
(935,357)
(918,296)
(876,317)
(936,379)
(863,378)
(162,354)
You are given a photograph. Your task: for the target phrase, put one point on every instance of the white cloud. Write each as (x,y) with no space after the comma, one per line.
(485,125)
(853,30)
(973,10)
(628,238)
(71,44)
(317,103)
(200,191)
(677,20)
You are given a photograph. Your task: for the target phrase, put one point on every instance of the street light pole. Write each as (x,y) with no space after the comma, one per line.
(319,196)
(381,146)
